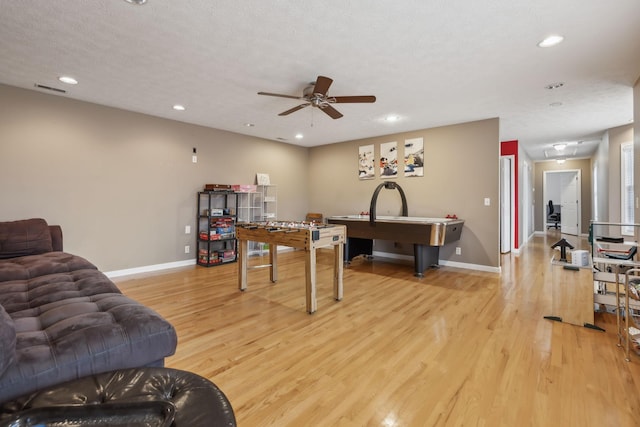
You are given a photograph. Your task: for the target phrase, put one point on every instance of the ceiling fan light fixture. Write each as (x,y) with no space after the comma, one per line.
(560,146)
(551,40)
(553,86)
(315,95)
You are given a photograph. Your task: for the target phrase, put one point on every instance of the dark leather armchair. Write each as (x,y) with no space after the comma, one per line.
(553,217)
(125,397)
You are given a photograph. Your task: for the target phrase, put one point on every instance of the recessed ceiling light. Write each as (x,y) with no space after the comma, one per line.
(179,107)
(249,125)
(553,86)
(299,136)
(68,80)
(138,2)
(551,41)
(392,118)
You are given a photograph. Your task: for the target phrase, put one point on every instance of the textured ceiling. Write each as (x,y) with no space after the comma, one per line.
(431,62)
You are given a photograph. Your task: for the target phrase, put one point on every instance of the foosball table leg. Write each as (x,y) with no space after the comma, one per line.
(242,260)
(338,271)
(310,272)
(273,261)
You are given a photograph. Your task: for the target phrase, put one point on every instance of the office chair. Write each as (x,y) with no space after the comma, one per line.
(552,216)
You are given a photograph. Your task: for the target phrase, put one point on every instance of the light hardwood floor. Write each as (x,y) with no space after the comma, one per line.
(455,348)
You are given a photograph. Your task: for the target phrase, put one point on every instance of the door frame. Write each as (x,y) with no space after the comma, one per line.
(504,217)
(545,199)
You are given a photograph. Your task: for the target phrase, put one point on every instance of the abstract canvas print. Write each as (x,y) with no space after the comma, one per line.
(414,157)
(365,162)
(389,159)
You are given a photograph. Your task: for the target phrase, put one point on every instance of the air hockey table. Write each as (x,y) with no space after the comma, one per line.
(426,234)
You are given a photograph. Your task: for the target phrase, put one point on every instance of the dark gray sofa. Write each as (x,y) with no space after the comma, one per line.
(62,319)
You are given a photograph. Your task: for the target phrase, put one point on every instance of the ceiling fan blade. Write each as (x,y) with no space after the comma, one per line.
(348,99)
(294,109)
(332,112)
(322,85)
(280,95)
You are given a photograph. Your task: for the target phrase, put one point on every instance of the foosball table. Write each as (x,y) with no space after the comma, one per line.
(300,235)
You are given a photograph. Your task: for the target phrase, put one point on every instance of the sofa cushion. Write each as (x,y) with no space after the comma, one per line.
(7,340)
(24,237)
(71,320)
(82,336)
(31,281)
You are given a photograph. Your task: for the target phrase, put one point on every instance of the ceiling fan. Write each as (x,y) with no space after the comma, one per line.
(316,95)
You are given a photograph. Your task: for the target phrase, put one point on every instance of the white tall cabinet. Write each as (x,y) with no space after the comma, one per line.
(261,205)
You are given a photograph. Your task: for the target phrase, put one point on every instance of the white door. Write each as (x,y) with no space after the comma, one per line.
(505,205)
(570,203)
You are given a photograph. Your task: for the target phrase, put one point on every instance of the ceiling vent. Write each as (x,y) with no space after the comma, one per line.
(553,153)
(53,89)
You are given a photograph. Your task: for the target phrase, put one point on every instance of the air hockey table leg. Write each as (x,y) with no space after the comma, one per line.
(425,256)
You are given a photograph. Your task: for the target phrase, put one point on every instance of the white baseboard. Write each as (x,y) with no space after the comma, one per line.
(169,265)
(445,263)
(469,266)
(186,263)
(149,268)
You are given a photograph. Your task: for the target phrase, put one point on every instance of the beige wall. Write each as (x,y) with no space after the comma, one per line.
(601,160)
(584,165)
(461,169)
(617,136)
(636,147)
(122,184)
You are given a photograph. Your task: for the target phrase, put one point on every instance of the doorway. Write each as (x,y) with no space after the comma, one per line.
(507,201)
(563,189)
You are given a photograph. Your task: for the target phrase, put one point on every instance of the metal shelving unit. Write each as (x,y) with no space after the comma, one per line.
(216,238)
(616,274)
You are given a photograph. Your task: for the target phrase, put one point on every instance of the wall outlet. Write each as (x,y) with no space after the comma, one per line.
(187,249)
(187,229)
(458,251)
(487,201)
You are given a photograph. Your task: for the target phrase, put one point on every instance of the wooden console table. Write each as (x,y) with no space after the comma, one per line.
(308,237)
